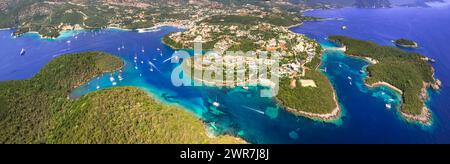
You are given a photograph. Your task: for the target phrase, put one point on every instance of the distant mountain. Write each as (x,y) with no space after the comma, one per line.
(372,3)
(365,3)
(345,3)
(413,3)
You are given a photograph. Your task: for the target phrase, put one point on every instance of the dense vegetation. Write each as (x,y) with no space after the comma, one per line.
(405,43)
(38,110)
(127,115)
(308,99)
(406,71)
(170,42)
(275,19)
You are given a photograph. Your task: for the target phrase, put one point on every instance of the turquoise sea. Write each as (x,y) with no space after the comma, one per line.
(242,112)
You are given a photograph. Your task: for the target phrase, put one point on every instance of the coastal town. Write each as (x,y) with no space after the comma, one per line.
(294,49)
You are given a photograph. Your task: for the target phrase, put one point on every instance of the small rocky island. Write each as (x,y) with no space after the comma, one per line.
(405,43)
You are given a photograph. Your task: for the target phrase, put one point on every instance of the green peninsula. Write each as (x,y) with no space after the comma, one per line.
(407,73)
(38,110)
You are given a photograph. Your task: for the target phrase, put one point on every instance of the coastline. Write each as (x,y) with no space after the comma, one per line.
(157,98)
(327,117)
(424,117)
(382,83)
(139,30)
(425,114)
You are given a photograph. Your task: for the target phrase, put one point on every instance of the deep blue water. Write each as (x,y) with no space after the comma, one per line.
(244,113)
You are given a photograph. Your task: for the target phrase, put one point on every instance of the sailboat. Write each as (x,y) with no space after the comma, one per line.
(111,78)
(22,52)
(143,50)
(388,106)
(215,103)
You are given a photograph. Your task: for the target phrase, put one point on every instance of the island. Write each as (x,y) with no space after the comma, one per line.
(39,110)
(405,43)
(410,74)
(303,88)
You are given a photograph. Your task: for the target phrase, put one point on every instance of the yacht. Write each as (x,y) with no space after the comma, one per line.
(22,52)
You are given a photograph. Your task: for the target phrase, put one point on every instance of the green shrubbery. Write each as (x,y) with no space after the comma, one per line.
(308,99)
(406,71)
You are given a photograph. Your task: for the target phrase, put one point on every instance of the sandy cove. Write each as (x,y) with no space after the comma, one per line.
(382,83)
(425,114)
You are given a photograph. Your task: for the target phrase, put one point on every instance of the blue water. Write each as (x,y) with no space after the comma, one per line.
(244,113)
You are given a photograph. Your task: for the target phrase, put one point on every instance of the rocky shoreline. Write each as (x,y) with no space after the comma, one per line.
(327,117)
(425,116)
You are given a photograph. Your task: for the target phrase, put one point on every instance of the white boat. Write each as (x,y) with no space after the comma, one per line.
(120,78)
(98,87)
(135,67)
(114,83)
(22,52)
(143,50)
(161,54)
(135,57)
(388,106)
(157,49)
(340,65)
(118,49)
(140,74)
(344,27)
(348,77)
(216,104)
(142,62)
(245,87)
(112,79)
(68,42)
(350,83)
(151,69)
